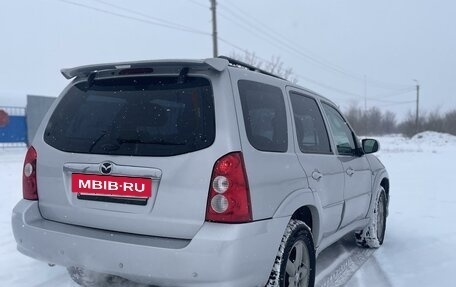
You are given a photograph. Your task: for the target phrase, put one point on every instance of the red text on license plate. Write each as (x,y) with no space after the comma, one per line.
(111,185)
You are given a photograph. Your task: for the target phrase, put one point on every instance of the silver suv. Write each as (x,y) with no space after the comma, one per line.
(195,173)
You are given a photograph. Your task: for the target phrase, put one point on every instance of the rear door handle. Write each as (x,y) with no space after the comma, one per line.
(317,175)
(350,171)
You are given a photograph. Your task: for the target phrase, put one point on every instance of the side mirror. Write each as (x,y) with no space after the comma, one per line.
(370,145)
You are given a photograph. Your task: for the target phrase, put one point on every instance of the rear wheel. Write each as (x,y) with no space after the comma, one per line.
(373,235)
(88,278)
(295,261)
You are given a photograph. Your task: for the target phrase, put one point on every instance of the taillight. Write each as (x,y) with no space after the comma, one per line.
(229,195)
(29,189)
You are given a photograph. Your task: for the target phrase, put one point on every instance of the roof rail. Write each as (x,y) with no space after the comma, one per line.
(238,63)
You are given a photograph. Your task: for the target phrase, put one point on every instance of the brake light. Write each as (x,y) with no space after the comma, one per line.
(29,189)
(229,195)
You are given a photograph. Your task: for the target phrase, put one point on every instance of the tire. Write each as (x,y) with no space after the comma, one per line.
(374,234)
(88,278)
(83,277)
(297,242)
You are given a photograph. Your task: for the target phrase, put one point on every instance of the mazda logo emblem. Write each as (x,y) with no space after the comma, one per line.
(106,168)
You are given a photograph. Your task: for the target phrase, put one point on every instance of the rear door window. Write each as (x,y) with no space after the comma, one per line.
(311,131)
(138,116)
(265,116)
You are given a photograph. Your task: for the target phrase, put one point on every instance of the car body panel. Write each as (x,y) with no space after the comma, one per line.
(272,176)
(358,188)
(330,185)
(226,255)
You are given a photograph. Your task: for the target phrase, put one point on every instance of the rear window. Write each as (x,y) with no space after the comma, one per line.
(138,116)
(265,117)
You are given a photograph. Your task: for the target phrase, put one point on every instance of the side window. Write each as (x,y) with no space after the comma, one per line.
(310,127)
(342,133)
(265,117)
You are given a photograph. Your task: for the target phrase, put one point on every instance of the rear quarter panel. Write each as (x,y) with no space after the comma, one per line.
(272,176)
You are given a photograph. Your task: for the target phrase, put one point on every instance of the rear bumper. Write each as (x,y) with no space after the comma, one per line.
(219,254)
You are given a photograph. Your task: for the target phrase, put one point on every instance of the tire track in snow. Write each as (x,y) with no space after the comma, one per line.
(342,273)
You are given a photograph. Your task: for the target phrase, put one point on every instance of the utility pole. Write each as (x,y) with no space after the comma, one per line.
(214,28)
(417,118)
(365,94)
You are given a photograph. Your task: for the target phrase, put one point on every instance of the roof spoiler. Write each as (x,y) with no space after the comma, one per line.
(217,64)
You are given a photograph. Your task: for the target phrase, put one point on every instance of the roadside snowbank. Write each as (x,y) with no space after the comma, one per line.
(420,244)
(17,270)
(422,142)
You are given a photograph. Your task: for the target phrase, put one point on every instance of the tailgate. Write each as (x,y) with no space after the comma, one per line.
(134,153)
(176,206)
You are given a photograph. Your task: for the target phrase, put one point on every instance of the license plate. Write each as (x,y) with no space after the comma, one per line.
(108,185)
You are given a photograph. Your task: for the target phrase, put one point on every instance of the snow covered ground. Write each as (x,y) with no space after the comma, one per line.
(15,269)
(420,244)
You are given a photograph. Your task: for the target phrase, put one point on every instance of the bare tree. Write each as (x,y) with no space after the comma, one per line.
(389,124)
(354,116)
(435,122)
(371,122)
(274,66)
(450,122)
(408,126)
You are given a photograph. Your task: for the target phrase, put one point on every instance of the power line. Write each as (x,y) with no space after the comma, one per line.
(176,26)
(166,22)
(198,4)
(273,40)
(295,74)
(269,29)
(387,101)
(269,32)
(381,103)
(169,26)
(294,47)
(398,104)
(399,93)
(329,87)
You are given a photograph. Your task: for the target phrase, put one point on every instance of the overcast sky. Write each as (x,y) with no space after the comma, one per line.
(331,45)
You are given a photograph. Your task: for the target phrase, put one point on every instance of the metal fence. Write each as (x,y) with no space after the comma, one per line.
(13,127)
(37,107)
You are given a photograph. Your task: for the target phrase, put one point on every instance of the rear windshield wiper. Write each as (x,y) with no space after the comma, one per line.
(95,142)
(139,141)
